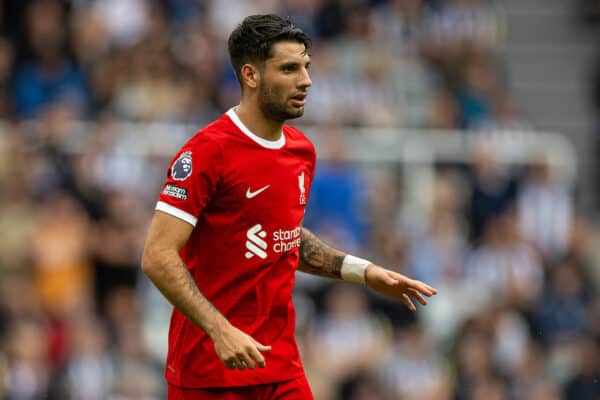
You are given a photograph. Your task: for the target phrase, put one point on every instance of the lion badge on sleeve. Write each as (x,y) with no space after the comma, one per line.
(182,167)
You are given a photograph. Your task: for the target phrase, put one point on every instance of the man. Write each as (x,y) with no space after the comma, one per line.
(227,236)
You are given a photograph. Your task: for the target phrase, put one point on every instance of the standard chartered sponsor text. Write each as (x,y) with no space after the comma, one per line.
(286,240)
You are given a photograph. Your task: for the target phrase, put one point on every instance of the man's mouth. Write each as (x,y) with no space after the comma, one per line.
(299,99)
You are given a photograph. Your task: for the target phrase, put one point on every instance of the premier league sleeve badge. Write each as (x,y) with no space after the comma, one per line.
(182,167)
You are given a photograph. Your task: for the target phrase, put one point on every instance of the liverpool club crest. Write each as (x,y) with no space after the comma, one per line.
(302,189)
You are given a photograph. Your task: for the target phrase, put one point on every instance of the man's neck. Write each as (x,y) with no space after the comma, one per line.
(253,118)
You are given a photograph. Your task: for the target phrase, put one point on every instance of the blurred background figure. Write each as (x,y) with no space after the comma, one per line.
(458,142)
(545,208)
(346,341)
(47,74)
(413,354)
(28,369)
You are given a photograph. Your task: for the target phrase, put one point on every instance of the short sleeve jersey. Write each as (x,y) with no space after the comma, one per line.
(245,197)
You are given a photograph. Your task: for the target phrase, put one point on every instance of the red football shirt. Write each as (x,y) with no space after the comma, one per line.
(245,197)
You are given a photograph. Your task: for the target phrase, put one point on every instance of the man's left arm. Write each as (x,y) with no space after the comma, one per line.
(318,258)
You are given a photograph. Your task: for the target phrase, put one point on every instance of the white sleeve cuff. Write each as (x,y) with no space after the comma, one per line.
(176,212)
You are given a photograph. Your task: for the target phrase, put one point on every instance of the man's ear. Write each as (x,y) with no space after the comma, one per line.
(250,75)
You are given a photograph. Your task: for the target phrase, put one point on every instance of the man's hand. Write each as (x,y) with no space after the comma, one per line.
(398,286)
(237,349)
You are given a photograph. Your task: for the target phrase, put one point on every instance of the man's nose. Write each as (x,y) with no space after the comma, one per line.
(305,80)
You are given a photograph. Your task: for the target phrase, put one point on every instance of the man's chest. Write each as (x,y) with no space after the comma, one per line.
(265,187)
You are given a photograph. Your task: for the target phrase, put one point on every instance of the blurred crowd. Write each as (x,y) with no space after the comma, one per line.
(417,63)
(516,265)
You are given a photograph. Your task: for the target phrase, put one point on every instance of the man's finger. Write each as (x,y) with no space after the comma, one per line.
(255,354)
(230,363)
(415,293)
(422,288)
(407,302)
(240,364)
(426,289)
(246,360)
(260,346)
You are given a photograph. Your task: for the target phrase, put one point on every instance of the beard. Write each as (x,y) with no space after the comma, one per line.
(274,104)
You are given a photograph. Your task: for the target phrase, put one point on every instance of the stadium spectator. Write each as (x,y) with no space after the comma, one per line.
(345,340)
(561,313)
(475,371)
(444,112)
(504,267)
(60,262)
(545,208)
(49,76)
(414,354)
(493,188)
(338,196)
(29,375)
(478,86)
(89,372)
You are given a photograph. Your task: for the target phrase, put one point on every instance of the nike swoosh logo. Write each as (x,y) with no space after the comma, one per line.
(250,194)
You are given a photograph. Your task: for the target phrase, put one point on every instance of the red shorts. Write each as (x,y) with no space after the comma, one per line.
(296,389)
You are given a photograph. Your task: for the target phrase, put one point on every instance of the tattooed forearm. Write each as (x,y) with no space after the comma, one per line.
(189,280)
(318,258)
(176,283)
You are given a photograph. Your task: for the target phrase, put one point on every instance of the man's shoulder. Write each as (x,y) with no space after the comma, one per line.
(216,131)
(292,130)
(297,135)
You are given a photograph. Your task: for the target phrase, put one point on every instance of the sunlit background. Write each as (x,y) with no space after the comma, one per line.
(458,143)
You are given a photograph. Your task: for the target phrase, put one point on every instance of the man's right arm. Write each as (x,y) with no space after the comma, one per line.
(163,265)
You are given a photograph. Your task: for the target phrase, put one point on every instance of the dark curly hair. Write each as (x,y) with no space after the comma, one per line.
(253,39)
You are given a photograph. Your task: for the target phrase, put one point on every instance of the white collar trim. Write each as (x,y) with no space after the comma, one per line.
(269,144)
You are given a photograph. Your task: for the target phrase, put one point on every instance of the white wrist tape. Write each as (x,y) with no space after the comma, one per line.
(353,269)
